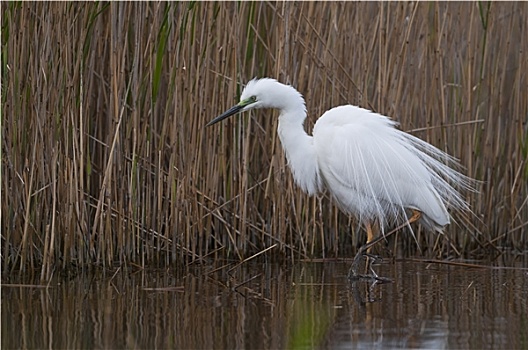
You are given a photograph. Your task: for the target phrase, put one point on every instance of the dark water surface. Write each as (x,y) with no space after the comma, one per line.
(269,306)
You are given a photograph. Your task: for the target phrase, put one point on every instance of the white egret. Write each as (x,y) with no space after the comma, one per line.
(373,170)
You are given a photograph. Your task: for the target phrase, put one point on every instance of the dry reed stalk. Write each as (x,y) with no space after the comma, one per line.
(105,159)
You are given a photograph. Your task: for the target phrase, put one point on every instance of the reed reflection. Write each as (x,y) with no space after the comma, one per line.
(270,306)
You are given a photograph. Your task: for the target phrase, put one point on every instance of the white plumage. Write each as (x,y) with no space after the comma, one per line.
(373,170)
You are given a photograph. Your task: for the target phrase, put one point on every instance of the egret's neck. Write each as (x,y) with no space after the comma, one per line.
(299,147)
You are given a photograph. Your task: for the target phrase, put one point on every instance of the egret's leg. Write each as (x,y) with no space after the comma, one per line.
(363,251)
(370,234)
(368,257)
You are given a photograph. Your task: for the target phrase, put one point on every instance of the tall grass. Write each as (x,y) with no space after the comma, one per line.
(105,158)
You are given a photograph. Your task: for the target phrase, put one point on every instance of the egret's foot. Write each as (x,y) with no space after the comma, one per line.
(371,259)
(374,278)
(354,275)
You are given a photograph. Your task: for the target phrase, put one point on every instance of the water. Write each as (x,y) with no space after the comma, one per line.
(269,306)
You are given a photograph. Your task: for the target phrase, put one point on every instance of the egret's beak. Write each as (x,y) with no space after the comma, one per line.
(233,110)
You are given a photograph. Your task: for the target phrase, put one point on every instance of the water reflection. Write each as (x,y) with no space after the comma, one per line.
(308,305)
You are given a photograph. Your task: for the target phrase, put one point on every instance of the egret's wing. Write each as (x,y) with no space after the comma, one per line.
(372,170)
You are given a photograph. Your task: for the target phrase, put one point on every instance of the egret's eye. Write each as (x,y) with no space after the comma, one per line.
(253,99)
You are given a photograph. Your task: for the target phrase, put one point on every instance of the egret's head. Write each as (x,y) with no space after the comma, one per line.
(263,93)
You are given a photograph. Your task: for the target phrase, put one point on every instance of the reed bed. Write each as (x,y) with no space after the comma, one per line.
(105,158)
